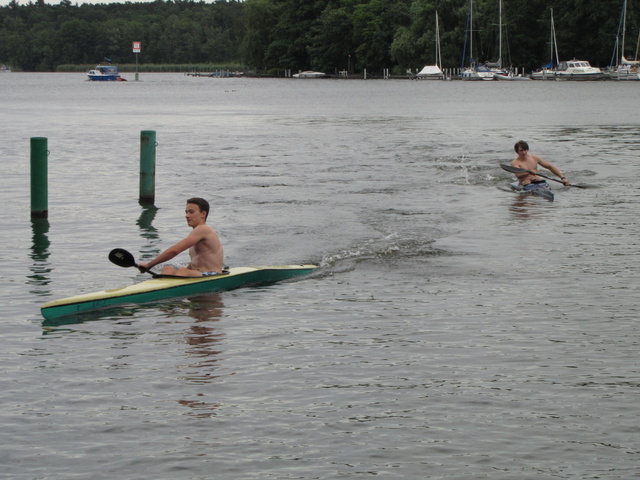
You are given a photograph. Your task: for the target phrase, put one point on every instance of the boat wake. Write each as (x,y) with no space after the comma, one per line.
(391,246)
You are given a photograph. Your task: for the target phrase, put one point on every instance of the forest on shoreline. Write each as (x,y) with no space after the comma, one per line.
(268,36)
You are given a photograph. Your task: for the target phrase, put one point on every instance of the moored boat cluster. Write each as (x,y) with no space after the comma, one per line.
(574,70)
(555,70)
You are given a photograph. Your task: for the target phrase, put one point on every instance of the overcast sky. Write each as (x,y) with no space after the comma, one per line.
(56,2)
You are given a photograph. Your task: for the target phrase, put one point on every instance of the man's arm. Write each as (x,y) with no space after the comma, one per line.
(552,168)
(194,237)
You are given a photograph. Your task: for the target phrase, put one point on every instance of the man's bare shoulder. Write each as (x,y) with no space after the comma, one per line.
(205,231)
(204,226)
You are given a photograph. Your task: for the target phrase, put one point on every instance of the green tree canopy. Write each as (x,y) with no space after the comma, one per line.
(327,35)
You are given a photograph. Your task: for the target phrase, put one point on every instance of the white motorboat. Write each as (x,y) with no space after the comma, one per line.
(309,74)
(578,70)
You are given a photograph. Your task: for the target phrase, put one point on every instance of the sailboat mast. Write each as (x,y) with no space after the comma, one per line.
(624,29)
(554,43)
(438,53)
(471,32)
(500,37)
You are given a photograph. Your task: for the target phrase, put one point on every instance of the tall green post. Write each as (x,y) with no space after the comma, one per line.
(39,182)
(147,167)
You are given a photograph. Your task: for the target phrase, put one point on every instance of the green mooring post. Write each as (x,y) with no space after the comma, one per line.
(147,167)
(39,182)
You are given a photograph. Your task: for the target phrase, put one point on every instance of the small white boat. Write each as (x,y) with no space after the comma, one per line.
(500,73)
(571,70)
(477,72)
(625,72)
(430,72)
(433,72)
(548,71)
(474,71)
(309,74)
(578,70)
(105,73)
(545,73)
(510,76)
(626,69)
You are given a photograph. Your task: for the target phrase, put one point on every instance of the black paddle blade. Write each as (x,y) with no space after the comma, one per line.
(511,169)
(122,258)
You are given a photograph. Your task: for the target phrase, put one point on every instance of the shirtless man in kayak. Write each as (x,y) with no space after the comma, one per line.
(528,161)
(203,243)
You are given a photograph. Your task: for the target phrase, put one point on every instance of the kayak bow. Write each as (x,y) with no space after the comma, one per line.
(163,288)
(539,189)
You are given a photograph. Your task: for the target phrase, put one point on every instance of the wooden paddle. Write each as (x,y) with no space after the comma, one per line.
(511,169)
(123,258)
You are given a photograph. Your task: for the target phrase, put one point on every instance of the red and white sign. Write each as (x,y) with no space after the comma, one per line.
(136,47)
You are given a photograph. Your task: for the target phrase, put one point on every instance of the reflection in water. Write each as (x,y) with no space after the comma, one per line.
(145,222)
(528,206)
(40,267)
(206,307)
(200,409)
(202,340)
(148,231)
(202,308)
(124,315)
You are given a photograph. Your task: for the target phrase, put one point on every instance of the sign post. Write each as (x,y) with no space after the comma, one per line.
(136,49)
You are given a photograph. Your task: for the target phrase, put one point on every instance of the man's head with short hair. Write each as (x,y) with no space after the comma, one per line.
(521,145)
(202,204)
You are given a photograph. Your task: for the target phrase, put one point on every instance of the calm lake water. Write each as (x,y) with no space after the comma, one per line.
(454,329)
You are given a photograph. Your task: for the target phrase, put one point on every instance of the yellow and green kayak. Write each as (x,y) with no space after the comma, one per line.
(166,287)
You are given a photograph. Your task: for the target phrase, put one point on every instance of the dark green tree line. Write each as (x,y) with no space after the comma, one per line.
(332,35)
(39,37)
(325,35)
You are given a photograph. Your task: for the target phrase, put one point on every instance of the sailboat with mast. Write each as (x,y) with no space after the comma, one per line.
(474,71)
(625,69)
(496,67)
(547,72)
(433,72)
(499,72)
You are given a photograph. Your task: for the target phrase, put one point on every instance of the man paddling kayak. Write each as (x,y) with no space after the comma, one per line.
(528,161)
(203,244)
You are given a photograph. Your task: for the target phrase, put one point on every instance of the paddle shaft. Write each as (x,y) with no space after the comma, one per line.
(511,169)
